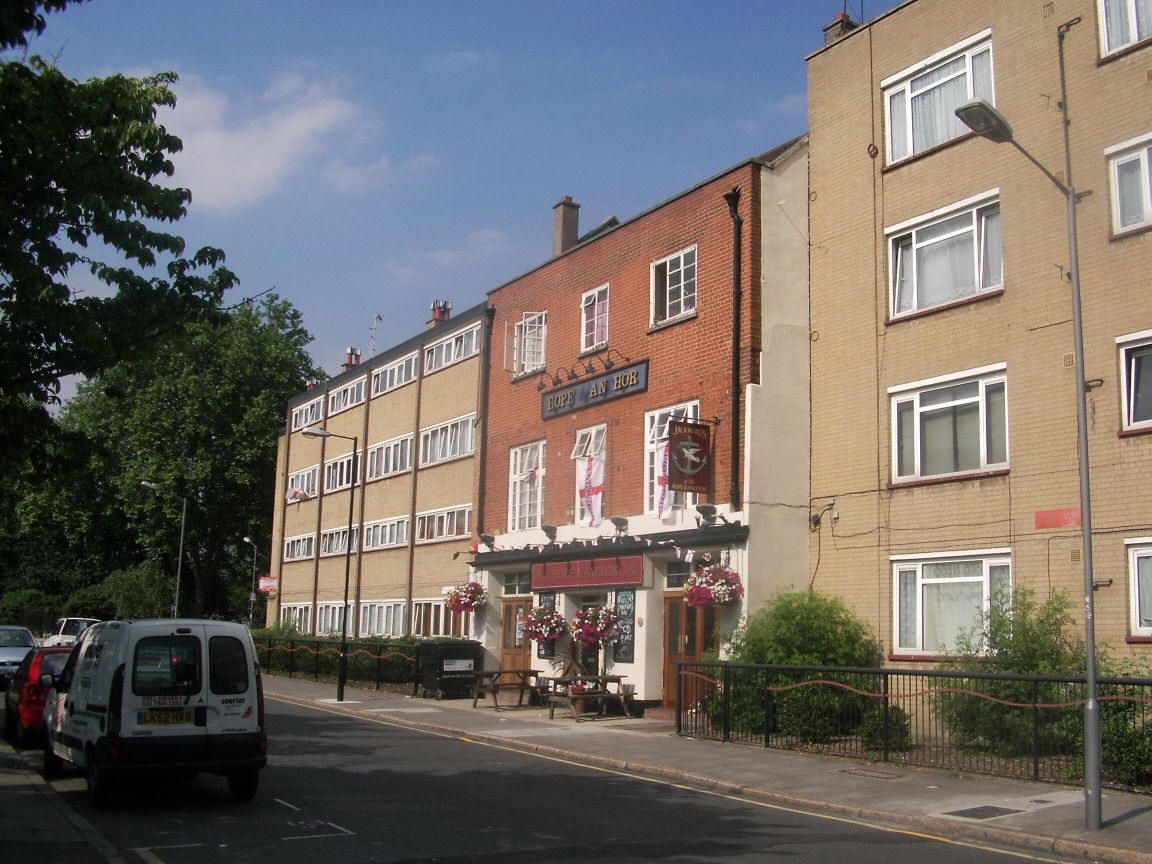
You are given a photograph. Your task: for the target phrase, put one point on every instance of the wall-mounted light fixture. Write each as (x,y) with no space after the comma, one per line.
(708,516)
(549,532)
(620,523)
(489,541)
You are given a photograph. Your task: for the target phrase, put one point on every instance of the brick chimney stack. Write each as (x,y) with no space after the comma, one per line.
(840,27)
(441,312)
(351,358)
(565,225)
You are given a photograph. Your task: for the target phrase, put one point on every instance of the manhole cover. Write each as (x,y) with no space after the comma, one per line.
(985,812)
(874,774)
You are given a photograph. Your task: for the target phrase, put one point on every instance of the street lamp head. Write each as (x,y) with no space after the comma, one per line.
(317,433)
(147,484)
(979,116)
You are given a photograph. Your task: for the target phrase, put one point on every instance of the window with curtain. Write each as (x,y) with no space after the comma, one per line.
(1124,23)
(939,598)
(954,426)
(1140,586)
(1136,379)
(1131,184)
(921,101)
(658,498)
(944,259)
(594,319)
(529,339)
(525,486)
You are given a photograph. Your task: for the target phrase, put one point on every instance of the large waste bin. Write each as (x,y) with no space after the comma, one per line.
(447,666)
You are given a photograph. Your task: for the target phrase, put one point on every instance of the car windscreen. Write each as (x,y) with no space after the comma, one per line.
(17,639)
(166,665)
(227,665)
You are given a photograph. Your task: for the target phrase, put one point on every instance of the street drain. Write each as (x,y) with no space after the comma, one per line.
(985,812)
(874,774)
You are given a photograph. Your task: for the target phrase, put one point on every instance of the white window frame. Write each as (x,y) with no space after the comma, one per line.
(914,566)
(526,470)
(394,375)
(664,310)
(348,396)
(299,548)
(655,435)
(305,481)
(1139,555)
(298,614)
(335,541)
(594,318)
(330,617)
(440,619)
(382,618)
(452,349)
(1135,152)
(438,526)
(910,239)
(898,91)
(1130,347)
(338,472)
(446,441)
(389,458)
(307,414)
(988,378)
(1132,26)
(386,533)
(530,343)
(589,442)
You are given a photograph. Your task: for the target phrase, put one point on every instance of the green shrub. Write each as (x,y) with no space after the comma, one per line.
(899,728)
(806,628)
(94,601)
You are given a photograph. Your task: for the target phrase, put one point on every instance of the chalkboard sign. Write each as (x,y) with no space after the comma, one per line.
(625,651)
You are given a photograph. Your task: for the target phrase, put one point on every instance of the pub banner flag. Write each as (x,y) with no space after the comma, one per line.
(689,457)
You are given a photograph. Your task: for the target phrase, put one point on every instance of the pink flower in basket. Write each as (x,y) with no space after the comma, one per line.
(544,625)
(598,625)
(713,585)
(466,597)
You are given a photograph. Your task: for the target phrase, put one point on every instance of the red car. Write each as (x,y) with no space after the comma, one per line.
(24,699)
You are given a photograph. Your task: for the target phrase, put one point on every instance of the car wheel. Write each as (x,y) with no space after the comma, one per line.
(53,764)
(242,784)
(101,792)
(23,737)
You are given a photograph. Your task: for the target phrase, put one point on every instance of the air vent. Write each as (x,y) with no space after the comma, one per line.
(1069,360)
(1075,556)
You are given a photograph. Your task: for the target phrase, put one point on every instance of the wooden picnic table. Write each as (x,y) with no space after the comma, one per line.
(521,680)
(596,690)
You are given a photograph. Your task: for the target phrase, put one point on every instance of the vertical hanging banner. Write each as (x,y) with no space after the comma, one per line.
(590,487)
(689,457)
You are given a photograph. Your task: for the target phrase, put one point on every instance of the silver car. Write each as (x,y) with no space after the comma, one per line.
(15,643)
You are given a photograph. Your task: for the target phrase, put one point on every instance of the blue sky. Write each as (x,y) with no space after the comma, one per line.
(366,158)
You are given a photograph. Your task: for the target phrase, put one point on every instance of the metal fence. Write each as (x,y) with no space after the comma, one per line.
(1022,726)
(392,667)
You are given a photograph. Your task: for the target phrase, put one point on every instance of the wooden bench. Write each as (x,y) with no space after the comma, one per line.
(523,681)
(586,691)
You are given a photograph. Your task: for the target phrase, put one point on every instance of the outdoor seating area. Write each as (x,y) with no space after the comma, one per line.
(587,696)
(523,681)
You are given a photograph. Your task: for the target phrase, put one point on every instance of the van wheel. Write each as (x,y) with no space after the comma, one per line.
(101,792)
(53,764)
(242,784)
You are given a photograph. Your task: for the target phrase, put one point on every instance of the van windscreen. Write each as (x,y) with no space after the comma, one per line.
(227,665)
(166,665)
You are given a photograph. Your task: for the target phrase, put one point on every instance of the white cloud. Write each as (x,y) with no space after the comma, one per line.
(419,267)
(235,155)
(457,61)
(354,177)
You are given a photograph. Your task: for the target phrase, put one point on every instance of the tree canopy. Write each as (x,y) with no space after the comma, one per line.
(88,276)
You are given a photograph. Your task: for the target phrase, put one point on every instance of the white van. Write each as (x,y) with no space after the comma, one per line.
(65,630)
(173,696)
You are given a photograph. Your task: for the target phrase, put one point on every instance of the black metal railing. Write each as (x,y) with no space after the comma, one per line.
(1022,726)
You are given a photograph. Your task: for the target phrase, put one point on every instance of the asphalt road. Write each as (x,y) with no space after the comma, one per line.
(346,790)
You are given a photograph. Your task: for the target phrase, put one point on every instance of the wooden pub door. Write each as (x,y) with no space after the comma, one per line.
(688,632)
(515,649)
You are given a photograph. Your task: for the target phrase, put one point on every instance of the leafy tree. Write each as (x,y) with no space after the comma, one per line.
(78,165)
(806,628)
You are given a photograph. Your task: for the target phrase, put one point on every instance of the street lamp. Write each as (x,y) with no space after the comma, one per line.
(179,555)
(252,593)
(342,674)
(987,122)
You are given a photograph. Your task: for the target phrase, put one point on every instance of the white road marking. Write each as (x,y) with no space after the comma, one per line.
(286,804)
(341,832)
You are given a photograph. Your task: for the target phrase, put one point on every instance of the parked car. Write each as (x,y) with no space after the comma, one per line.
(24,698)
(65,630)
(169,696)
(15,643)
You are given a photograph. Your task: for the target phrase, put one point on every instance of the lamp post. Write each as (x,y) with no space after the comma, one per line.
(342,673)
(986,121)
(180,554)
(252,593)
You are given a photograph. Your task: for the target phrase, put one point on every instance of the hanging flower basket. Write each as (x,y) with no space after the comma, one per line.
(598,625)
(544,625)
(466,597)
(713,585)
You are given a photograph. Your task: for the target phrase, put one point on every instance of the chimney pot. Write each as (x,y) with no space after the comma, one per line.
(840,27)
(565,225)
(441,312)
(352,358)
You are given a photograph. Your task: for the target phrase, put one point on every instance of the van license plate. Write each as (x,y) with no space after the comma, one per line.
(180,715)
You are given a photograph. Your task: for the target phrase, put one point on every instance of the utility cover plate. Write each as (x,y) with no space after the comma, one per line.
(987,811)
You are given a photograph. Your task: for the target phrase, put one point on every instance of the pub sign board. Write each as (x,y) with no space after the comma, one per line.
(689,457)
(595,390)
(588,572)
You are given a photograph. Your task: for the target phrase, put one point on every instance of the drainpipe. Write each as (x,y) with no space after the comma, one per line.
(733,199)
(482,417)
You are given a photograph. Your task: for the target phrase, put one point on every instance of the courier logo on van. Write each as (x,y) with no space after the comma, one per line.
(238,700)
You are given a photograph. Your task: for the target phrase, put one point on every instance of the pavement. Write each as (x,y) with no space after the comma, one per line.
(1037,817)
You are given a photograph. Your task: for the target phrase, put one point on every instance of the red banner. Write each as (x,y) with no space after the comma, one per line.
(588,572)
